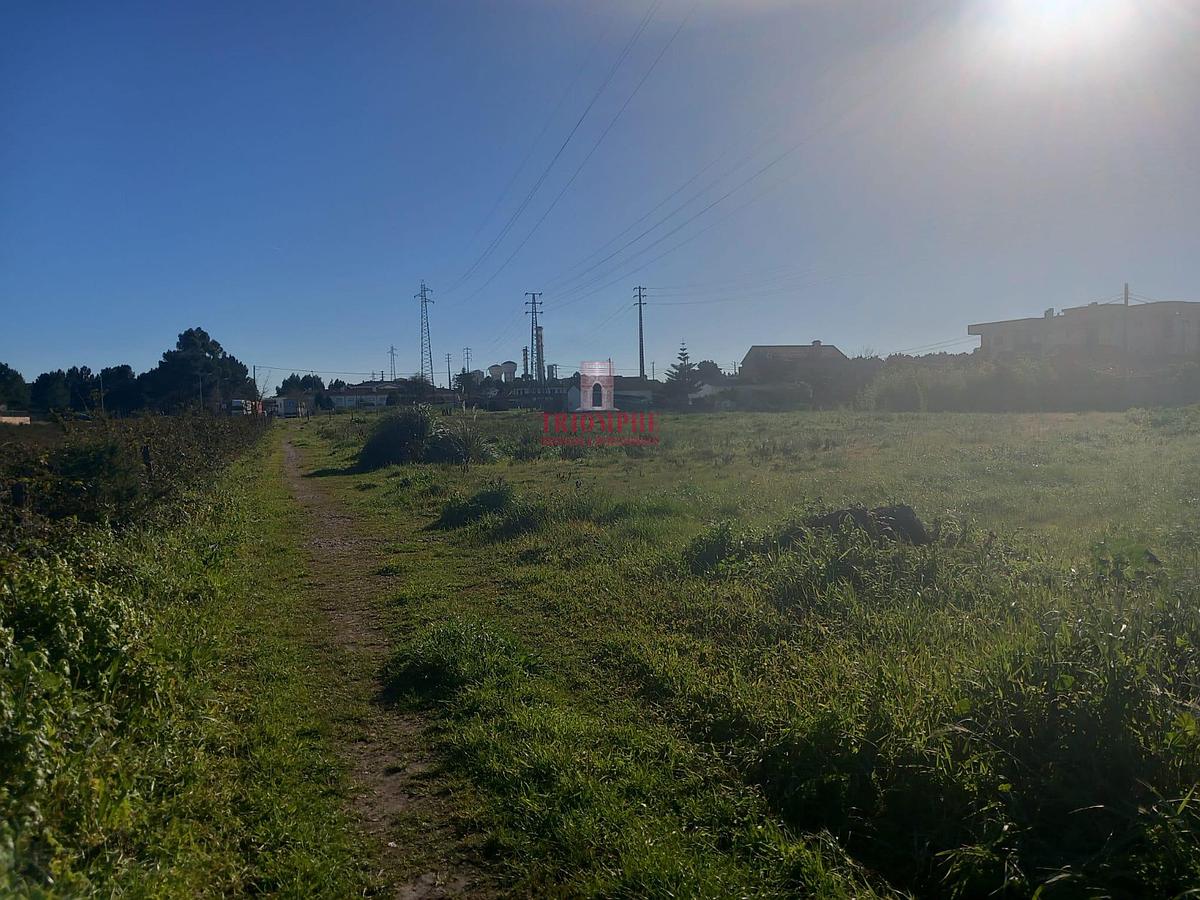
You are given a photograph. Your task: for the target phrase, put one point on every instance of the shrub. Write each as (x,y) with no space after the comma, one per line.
(116,471)
(398,439)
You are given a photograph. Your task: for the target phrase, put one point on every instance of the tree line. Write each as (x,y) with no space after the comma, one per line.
(196,373)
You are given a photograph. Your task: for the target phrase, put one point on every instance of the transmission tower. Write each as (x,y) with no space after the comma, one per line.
(426,346)
(466,359)
(538,363)
(392,357)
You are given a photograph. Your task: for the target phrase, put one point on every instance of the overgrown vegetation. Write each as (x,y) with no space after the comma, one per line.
(416,434)
(669,684)
(965,383)
(115,471)
(156,732)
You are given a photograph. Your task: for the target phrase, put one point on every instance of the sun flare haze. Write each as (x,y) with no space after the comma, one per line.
(1057,30)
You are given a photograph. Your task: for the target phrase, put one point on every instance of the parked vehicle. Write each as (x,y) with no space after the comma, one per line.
(285,407)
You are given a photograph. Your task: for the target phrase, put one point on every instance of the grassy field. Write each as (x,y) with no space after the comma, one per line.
(665,685)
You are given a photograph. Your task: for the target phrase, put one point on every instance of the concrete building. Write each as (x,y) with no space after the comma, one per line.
(1159,330)
(781,363)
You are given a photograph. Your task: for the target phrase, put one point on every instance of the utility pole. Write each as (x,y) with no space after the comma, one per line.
(426,346)
(449,377)
(1125,323)
(641,302)
(392,356)
(653,377)
(534,302)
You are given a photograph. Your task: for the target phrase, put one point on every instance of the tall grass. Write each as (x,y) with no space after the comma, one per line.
(1010,710)
(156,734)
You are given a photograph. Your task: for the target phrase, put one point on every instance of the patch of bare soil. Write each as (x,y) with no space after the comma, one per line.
(395,773)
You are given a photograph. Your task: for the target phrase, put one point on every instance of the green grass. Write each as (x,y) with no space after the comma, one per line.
(666,686)
(198,761)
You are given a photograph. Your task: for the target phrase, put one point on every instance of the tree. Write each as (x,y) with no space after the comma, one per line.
(296,384)
(710,373)
(421,386)
(682,377)
(337,385)
(466,383)
(14,392)
(197,371)
(82,385)
(122,393)
(49,391)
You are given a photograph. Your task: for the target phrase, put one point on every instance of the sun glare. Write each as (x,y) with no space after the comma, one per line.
(1046,30)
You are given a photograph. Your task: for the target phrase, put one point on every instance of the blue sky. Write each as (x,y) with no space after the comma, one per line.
(875,175)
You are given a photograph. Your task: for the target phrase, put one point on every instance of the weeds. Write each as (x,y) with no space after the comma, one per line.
(152,710)
(657,703)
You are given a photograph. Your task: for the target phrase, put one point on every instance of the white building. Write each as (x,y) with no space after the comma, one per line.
(358,399)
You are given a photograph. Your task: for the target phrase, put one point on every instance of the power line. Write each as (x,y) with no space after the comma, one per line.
(562,278)
(596,146)
(533,146)
(562,281)
(925,348)
(790,150)
(267,368)
(661,203)
(571,134)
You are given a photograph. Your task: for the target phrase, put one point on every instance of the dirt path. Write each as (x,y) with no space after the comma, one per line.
(394,772)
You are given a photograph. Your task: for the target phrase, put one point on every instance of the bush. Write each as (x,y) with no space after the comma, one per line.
(417,435)
(398,439)
(116,471)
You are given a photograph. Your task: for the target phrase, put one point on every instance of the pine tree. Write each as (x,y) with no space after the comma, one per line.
(682,378)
